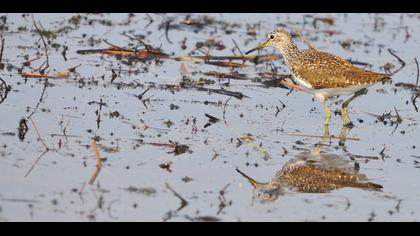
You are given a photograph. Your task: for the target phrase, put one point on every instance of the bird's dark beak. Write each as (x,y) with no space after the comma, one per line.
(261,45)
(253,182)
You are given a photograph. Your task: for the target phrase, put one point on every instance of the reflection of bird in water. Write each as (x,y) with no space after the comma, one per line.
(313,172)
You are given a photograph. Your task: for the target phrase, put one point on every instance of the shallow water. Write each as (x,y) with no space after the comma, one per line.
(131,185)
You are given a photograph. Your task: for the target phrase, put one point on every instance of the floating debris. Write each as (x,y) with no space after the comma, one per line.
(178,149)
(145,54)
(4,90)
(212,120)
(148,191)
(166,166)
(220,75)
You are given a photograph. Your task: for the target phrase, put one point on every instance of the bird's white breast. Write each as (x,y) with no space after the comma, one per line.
(301,81)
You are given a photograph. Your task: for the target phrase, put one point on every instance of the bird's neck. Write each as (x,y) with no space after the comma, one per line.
(289,50)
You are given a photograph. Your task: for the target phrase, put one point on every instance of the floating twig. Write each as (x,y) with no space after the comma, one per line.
(203,218)
(399,120)
(382,153)
(224,110)
(29,61)
(409,86)
(114,46)
(360,63)
(184,202)
(149,54)
(226,64)
(319,136)
(240,51)
(36,162)
(178,148)
(418,73)
(65,135)
(212,120)
(60,75)
(252,58)
(98,162)
(348,204)
(114,75)
(167,30)
(39,136)
(220,75)
(237,95)
(399,59)
(150,20)
(41,98)
(47,149)
(222,199)
(64,53)
(1,54)
(140,96)
(364,157)
(397,207)
(73,69)
(279,110)
(146,46)
(413,101)
(47,65)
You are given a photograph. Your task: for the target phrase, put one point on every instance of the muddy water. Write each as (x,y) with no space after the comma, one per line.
(134,138)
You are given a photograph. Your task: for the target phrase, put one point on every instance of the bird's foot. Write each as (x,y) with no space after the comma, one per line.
(349,124)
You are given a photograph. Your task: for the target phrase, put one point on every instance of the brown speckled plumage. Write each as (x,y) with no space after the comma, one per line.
(313,172)
(324,70)
(314,179)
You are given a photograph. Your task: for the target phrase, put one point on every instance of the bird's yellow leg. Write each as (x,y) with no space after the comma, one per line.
(327,112)
(345,110)
(343,135)
(345,115)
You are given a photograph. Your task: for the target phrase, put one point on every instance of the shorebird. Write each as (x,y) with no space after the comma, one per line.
(322,74)
(313,171)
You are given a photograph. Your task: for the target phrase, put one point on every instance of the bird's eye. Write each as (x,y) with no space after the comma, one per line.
(272,36)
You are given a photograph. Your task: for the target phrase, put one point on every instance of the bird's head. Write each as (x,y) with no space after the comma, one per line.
(280,39)
(265,191)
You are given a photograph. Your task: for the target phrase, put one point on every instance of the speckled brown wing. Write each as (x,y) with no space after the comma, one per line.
(312,179)
(325,70)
